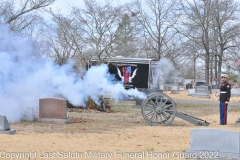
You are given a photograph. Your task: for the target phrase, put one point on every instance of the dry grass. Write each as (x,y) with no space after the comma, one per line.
(123,130)
(125,114)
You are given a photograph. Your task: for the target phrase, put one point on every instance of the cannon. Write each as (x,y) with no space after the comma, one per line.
(144,74)
(159,109)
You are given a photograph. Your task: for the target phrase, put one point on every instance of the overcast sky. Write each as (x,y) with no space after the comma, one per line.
(63,5)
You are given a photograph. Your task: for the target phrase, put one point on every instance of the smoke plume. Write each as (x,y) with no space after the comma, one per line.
(167,69)
(26,77)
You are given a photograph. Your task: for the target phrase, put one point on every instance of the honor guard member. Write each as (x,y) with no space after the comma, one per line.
(224,98)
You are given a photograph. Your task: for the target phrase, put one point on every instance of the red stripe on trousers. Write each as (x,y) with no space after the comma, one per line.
(225,113)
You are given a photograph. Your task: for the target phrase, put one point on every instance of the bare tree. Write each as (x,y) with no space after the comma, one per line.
(227,27)
(198,19)
(234,55)
(99,31)
(127,37)
(212,23)
(157,19)
(66,41)
(99,25)
(21,14)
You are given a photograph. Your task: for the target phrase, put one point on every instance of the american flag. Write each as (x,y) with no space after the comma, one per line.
(126,73)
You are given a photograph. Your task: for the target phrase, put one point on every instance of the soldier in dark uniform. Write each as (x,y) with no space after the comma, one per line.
(224,98)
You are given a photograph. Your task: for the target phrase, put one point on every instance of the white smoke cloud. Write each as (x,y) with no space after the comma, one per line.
(166,72)
(25,78)
(166,68)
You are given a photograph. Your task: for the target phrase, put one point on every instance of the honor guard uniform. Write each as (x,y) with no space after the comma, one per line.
(224,98)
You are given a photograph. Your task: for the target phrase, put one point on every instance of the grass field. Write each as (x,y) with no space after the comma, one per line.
(119,132)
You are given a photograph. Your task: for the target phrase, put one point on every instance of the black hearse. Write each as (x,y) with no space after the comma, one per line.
(140,73)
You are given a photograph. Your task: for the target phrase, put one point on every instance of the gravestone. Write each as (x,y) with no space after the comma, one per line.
(53,110)
(167,87)
(5,127)
(235,92)
(215,84)
(210,143)
(174,88)
(209,89)
(161,87)
(191,92)
(189,86)
(201,91)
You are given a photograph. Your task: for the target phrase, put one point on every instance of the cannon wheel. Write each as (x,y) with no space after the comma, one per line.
(158,109)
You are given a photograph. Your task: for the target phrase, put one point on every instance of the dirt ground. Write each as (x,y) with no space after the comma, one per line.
(120,135)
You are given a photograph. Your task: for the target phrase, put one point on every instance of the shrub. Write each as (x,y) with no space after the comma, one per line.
(90,104)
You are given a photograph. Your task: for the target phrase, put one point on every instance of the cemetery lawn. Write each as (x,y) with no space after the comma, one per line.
(122,133)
